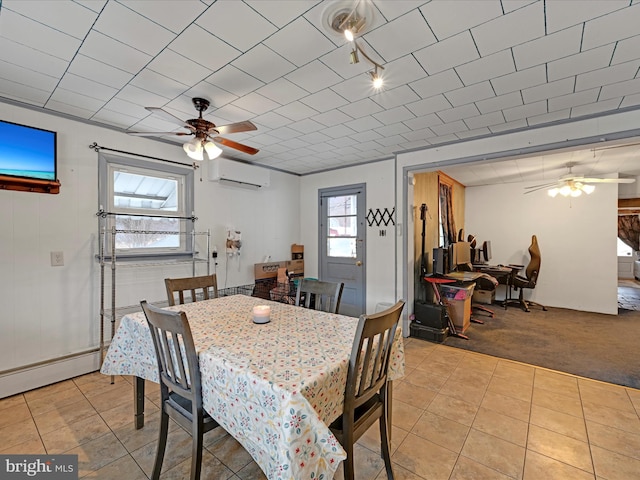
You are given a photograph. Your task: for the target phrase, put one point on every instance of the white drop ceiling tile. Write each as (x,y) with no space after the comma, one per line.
(489,119)
(332,117)
(197,44)
(237,24)
(485,68)
(29,32)
(297,111)
(174,16)
(473,133)
(548,48)
(580,63)
(66,17)
(339,60)
(318,147)
(561,15)
(341,142)
(22,93)
(265,139)
(438,83)
(294,143)
(338,131)
(216,95)
(275,148)
(139,96)
(93,5)
(629,87)
(547,117)
(363,107)
(114,118)
(234,80)
(525,111)
(423,121)
(19,74)
(281,13)
(87,87)
(314,76)
(114,53)
(626,50)
(458,113)
(415,145)
(549,90)
(608,75)
(506,127)
(417,135)
(470,94)
(355,89)
(315,138)
(159,84)
(394,9)
(519,80)
(131,109)
(271,120)
(429,105)
(179,68)
(153,123)
(396,97)
(23,56)
(449,18)
(447,53)
(299,42)
(511,5)
(366,136)
(231,113)
(394,129)
(402,72)
(131,28)
(394,115)
(69,109)
(367,146)
(595,108)
(282,91)
(630,100)
(324,100)
(264,64)
(610,28)
(284,133)
(99,72)
(500,102)
(400,36)
(363,123)
(514,28)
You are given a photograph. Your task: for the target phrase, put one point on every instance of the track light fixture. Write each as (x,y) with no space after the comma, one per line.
(375,76)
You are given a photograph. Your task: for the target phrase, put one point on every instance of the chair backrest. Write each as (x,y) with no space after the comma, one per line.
(195,285)
(171,333)
(369,360)
(533,268)
(326,295)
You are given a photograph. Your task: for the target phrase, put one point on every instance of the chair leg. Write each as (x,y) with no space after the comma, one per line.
(384,444)
(196,451)
(349,472)
(162,444)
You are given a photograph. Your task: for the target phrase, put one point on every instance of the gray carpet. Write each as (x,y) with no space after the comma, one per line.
(592,345)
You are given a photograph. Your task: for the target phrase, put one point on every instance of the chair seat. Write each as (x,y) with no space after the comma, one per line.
(365,414)
(182,406)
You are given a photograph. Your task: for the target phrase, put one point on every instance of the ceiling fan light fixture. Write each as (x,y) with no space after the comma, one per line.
(194,149)
(553,192)
(213,151)
(588,189)
(565,190)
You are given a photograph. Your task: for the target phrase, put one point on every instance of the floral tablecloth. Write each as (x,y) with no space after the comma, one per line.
(274,387)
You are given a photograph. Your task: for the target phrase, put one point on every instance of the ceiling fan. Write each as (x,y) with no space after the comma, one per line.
(574,185)
(205,132)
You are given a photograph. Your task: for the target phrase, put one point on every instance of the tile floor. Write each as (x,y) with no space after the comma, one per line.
(456,415)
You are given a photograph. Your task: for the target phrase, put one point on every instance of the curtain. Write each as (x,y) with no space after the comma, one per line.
(446,214)
(629,230)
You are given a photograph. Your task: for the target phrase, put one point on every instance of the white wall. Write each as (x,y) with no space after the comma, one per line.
(51,312)
(380,258)
(577,239)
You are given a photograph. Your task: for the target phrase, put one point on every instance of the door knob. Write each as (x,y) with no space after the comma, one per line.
(358,263)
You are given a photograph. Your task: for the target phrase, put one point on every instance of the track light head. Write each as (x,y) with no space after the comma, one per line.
(354,56)
(376,79)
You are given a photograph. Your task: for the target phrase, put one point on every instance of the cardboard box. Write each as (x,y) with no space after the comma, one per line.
(297,252)
(458,301)
(484,296)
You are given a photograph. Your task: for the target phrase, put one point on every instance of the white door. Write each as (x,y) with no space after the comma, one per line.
(342,244)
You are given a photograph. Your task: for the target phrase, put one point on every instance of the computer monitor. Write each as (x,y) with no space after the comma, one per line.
(486,250)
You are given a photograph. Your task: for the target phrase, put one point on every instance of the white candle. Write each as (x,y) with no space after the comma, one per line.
(261,313)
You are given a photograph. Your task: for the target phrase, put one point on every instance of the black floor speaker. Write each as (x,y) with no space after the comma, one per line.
(430,315)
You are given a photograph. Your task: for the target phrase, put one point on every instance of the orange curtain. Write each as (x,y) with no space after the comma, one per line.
(446,214)
(629,230)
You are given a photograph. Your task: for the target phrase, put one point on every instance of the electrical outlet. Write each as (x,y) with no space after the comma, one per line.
(57,259)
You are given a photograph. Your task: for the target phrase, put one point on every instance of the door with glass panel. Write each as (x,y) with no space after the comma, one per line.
(343,244)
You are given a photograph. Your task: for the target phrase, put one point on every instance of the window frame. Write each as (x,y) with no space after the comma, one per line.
(107,165)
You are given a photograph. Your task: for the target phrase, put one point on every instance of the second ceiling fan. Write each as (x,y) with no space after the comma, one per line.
(205,132)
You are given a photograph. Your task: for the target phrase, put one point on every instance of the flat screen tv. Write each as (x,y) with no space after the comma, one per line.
(27,152)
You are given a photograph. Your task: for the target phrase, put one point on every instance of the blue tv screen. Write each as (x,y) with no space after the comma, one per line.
(27,152)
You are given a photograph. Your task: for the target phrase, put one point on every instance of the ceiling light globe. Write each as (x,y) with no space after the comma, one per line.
(213,151)
(553,192)
(588,189)
(348,34)
(194,149)
(576,192)
(565,191)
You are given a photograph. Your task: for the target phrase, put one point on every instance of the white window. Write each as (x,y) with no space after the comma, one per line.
(150,204)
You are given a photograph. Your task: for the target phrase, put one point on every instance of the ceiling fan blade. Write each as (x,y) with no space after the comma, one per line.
(607,180)
(155,134)
(538,188)
(236,145)
(235,127)
(542,185)
(169,117)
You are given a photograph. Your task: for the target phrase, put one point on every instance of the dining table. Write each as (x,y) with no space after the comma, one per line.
(275,387)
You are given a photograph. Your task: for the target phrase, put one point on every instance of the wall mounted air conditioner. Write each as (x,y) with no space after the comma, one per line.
(238,174)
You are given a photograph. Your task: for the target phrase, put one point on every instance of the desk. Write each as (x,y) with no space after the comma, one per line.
(274,387)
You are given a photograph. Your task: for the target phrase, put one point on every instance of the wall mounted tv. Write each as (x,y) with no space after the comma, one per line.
(28,158)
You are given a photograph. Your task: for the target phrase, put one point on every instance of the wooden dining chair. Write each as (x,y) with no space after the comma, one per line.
(198,286)
(366,394)
(180,386)
(319,295)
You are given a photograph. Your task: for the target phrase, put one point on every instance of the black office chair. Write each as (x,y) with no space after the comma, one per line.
(180,387)
(529,281)
(366,396)
(319,295)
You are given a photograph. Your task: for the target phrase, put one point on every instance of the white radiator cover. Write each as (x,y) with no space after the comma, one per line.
(238,174)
